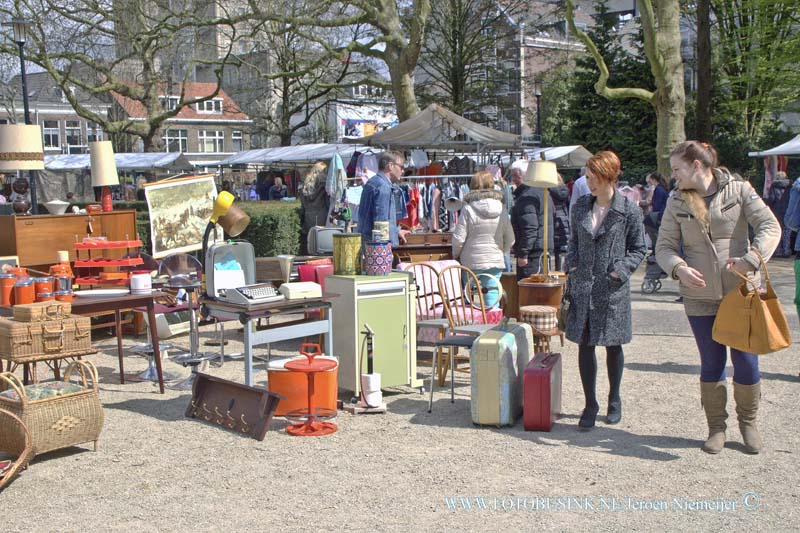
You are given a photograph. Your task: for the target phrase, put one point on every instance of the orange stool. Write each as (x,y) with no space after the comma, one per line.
(293,386)
(312,424)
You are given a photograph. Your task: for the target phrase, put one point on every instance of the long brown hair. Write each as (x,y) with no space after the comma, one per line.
(689,152)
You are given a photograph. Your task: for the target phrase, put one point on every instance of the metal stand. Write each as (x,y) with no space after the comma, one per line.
(193,358)
(222,342)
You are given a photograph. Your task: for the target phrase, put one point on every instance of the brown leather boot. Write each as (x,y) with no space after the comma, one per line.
(747,399)
(714,396)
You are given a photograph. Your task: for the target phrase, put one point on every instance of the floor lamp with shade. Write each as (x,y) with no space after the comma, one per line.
(545,289)
(543,174)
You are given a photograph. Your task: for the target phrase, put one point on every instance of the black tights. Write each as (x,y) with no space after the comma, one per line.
(587,363)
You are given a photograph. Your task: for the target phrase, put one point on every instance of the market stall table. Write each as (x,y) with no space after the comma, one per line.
(294,329)
(88,305)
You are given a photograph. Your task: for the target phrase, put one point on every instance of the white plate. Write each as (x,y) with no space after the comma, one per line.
(103,293)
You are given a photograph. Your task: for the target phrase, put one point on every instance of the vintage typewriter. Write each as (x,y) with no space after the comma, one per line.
(249,295)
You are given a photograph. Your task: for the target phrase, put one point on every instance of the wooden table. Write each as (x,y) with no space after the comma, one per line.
(294,329)
(87,305)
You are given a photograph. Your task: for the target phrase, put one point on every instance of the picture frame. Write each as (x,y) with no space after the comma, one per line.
(180,209)
(12,260)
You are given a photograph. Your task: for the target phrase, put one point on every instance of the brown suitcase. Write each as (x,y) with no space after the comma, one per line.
(41,311)
(23,341)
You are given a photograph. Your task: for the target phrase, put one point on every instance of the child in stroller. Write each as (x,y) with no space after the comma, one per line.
(656,202)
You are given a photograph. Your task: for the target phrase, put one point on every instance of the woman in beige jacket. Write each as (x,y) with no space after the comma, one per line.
(703,235)
(483,235)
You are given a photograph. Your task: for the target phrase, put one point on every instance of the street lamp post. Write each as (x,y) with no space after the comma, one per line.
(538,94)
(20,36)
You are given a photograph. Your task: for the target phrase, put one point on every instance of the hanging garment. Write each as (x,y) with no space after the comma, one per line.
(419,159)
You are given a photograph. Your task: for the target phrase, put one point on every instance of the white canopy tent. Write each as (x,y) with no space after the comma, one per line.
(436,128)
(126,162)
(301,153)
(574,156)
(71,172)
(789,148)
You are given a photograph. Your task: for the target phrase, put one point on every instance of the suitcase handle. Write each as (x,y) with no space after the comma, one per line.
(81,334)
(53,311)
(543,362)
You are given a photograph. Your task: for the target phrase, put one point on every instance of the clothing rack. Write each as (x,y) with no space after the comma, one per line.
(439,176)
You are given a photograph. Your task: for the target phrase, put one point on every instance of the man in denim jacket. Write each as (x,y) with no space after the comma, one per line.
(378,203)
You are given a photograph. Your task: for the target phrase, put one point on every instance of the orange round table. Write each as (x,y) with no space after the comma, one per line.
(312,426)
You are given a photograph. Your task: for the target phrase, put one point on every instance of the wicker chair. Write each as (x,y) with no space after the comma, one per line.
(15,440)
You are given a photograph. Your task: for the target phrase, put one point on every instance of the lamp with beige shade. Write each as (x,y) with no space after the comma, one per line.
(104,170)
(543,174)
(21,149)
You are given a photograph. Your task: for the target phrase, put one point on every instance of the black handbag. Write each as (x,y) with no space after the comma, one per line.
(563,311)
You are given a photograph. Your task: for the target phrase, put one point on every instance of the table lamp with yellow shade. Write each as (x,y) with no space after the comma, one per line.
(232,219)
(104,170)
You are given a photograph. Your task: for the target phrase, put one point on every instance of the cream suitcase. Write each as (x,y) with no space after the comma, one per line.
(497,360)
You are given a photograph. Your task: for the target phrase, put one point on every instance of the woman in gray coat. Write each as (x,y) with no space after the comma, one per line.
(606,246)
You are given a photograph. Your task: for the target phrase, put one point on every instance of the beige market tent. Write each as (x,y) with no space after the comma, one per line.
(438,128)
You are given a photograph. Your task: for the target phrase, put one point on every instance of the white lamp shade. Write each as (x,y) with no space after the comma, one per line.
(541,174)
(104,168)
(21,147)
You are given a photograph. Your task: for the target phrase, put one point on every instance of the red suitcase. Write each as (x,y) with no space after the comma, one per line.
(541,392)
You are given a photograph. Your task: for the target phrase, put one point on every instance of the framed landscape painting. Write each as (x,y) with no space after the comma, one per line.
(179,212)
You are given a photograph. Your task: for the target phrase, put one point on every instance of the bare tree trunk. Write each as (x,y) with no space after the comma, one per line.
(402,82)
(704,80)
(662,46)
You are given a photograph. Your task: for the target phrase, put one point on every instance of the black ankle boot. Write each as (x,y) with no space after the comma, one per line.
(614,414)
(588,418)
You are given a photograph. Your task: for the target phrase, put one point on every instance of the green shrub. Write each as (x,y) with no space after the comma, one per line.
(274,227)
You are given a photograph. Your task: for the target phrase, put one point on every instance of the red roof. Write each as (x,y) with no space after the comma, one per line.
(230,111)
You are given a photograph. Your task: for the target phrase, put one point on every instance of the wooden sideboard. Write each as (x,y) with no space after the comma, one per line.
(424,247)
(35,239)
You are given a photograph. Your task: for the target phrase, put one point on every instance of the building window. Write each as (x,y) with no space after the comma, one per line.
(72,131)
(210,106)
(236,141)
(169,102)
(93,132)
(51,134)
(211,141)
(176,140)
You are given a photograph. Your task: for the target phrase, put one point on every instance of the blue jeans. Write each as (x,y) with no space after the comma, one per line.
(714,356)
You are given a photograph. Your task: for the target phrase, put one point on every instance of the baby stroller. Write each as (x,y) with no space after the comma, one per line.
(652,276)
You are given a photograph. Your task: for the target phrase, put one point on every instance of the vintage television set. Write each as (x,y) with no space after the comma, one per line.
(320,240)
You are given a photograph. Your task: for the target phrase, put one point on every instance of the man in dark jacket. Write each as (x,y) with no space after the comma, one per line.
(527,219)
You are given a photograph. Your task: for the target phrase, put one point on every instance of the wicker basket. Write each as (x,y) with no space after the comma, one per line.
(41,311)
(24,340)
(58,421)
(15,439)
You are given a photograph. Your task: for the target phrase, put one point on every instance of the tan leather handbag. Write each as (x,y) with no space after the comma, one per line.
(752,321)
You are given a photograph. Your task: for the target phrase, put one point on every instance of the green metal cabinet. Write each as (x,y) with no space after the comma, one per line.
(386,303)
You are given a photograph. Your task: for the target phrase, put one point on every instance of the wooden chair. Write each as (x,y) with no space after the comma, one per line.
(15,440)
(431,323)
(466,316)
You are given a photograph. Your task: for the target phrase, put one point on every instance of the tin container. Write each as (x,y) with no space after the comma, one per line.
(24,292)
(7,289)
(63,296)
(45,297)
(43,284)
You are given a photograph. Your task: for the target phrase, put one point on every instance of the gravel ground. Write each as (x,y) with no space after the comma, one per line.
(409,470)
